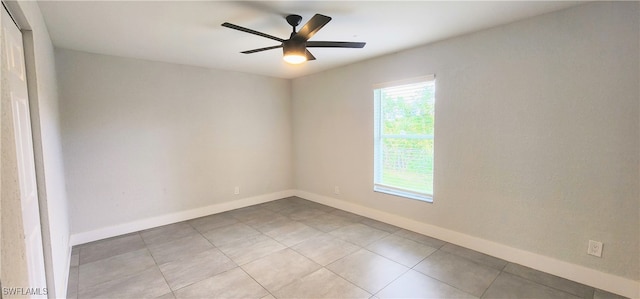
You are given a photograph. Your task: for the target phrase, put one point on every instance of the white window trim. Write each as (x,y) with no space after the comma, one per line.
(405,81)
(378,134)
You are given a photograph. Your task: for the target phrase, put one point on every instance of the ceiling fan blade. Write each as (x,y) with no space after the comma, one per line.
(310,28)
(321,44)
(247,30)
(309,55)
(261,49)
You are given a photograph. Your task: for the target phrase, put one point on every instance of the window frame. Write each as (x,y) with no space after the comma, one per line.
(378,140)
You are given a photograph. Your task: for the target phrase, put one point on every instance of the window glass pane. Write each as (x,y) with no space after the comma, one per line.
(408,164)
(407,109)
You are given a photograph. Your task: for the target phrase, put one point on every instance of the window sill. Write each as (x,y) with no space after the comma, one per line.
(405,194)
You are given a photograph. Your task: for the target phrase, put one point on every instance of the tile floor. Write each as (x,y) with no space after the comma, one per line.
(293,248)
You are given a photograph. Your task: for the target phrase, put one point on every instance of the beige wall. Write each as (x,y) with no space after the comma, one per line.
(537,134)
(144,139)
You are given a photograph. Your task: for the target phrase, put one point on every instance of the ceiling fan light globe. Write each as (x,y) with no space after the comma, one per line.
(294,51)
(294,58)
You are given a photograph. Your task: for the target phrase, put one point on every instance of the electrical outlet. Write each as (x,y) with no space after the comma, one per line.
(595,248)
(336,190)
(236,190)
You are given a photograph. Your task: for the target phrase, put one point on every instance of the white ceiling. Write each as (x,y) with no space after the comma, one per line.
(189,32)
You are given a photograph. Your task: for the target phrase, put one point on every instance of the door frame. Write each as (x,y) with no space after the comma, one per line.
(15,10)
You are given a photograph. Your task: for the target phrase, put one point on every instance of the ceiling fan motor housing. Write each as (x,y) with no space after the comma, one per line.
(294,46)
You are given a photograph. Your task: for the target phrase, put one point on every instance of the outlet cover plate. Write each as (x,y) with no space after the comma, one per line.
(595,248)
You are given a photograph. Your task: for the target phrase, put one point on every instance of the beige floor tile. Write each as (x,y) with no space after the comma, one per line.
(72,283)
(321,284)
(205,224)
(420,238)
(246,250)
(556,282)
(317,206)
(296,199)
(417,285)
(94,273)
(280,268)
(167,296)
(167,233)
(271,223)
(380,225)
(401,250)
(145,284)
(325,249)
(293,233)
(230,233)
(265,215)
(260,218)
(306,214)
(512,286)
(295,208)
(367,270)
(192,269)
(348,215)
(600,294)
(248,213)
(75,260)
(458,272)
(328,222)
(359,234)
(179,248)
(279,205)
(475,256)
(231,284)
(102,249)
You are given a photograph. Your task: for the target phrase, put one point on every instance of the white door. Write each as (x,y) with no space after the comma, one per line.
(13,56)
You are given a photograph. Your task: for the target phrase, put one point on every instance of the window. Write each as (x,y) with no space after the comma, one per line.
(404,135)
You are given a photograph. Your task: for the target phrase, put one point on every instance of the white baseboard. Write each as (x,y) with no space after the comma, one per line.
(138,225)
(604,281)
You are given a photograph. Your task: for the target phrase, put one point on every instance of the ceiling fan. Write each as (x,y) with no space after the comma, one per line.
(295,48)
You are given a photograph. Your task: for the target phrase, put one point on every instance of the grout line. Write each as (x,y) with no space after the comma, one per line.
(253,278)
(592,289)
(346,279)
(437,279)
(492,281)
(161,273)
(238,266)
(392,281)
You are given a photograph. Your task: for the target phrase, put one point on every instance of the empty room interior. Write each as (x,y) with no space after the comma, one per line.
(320,149)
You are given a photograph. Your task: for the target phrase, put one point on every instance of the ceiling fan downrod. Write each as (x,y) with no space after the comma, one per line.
(294,21)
